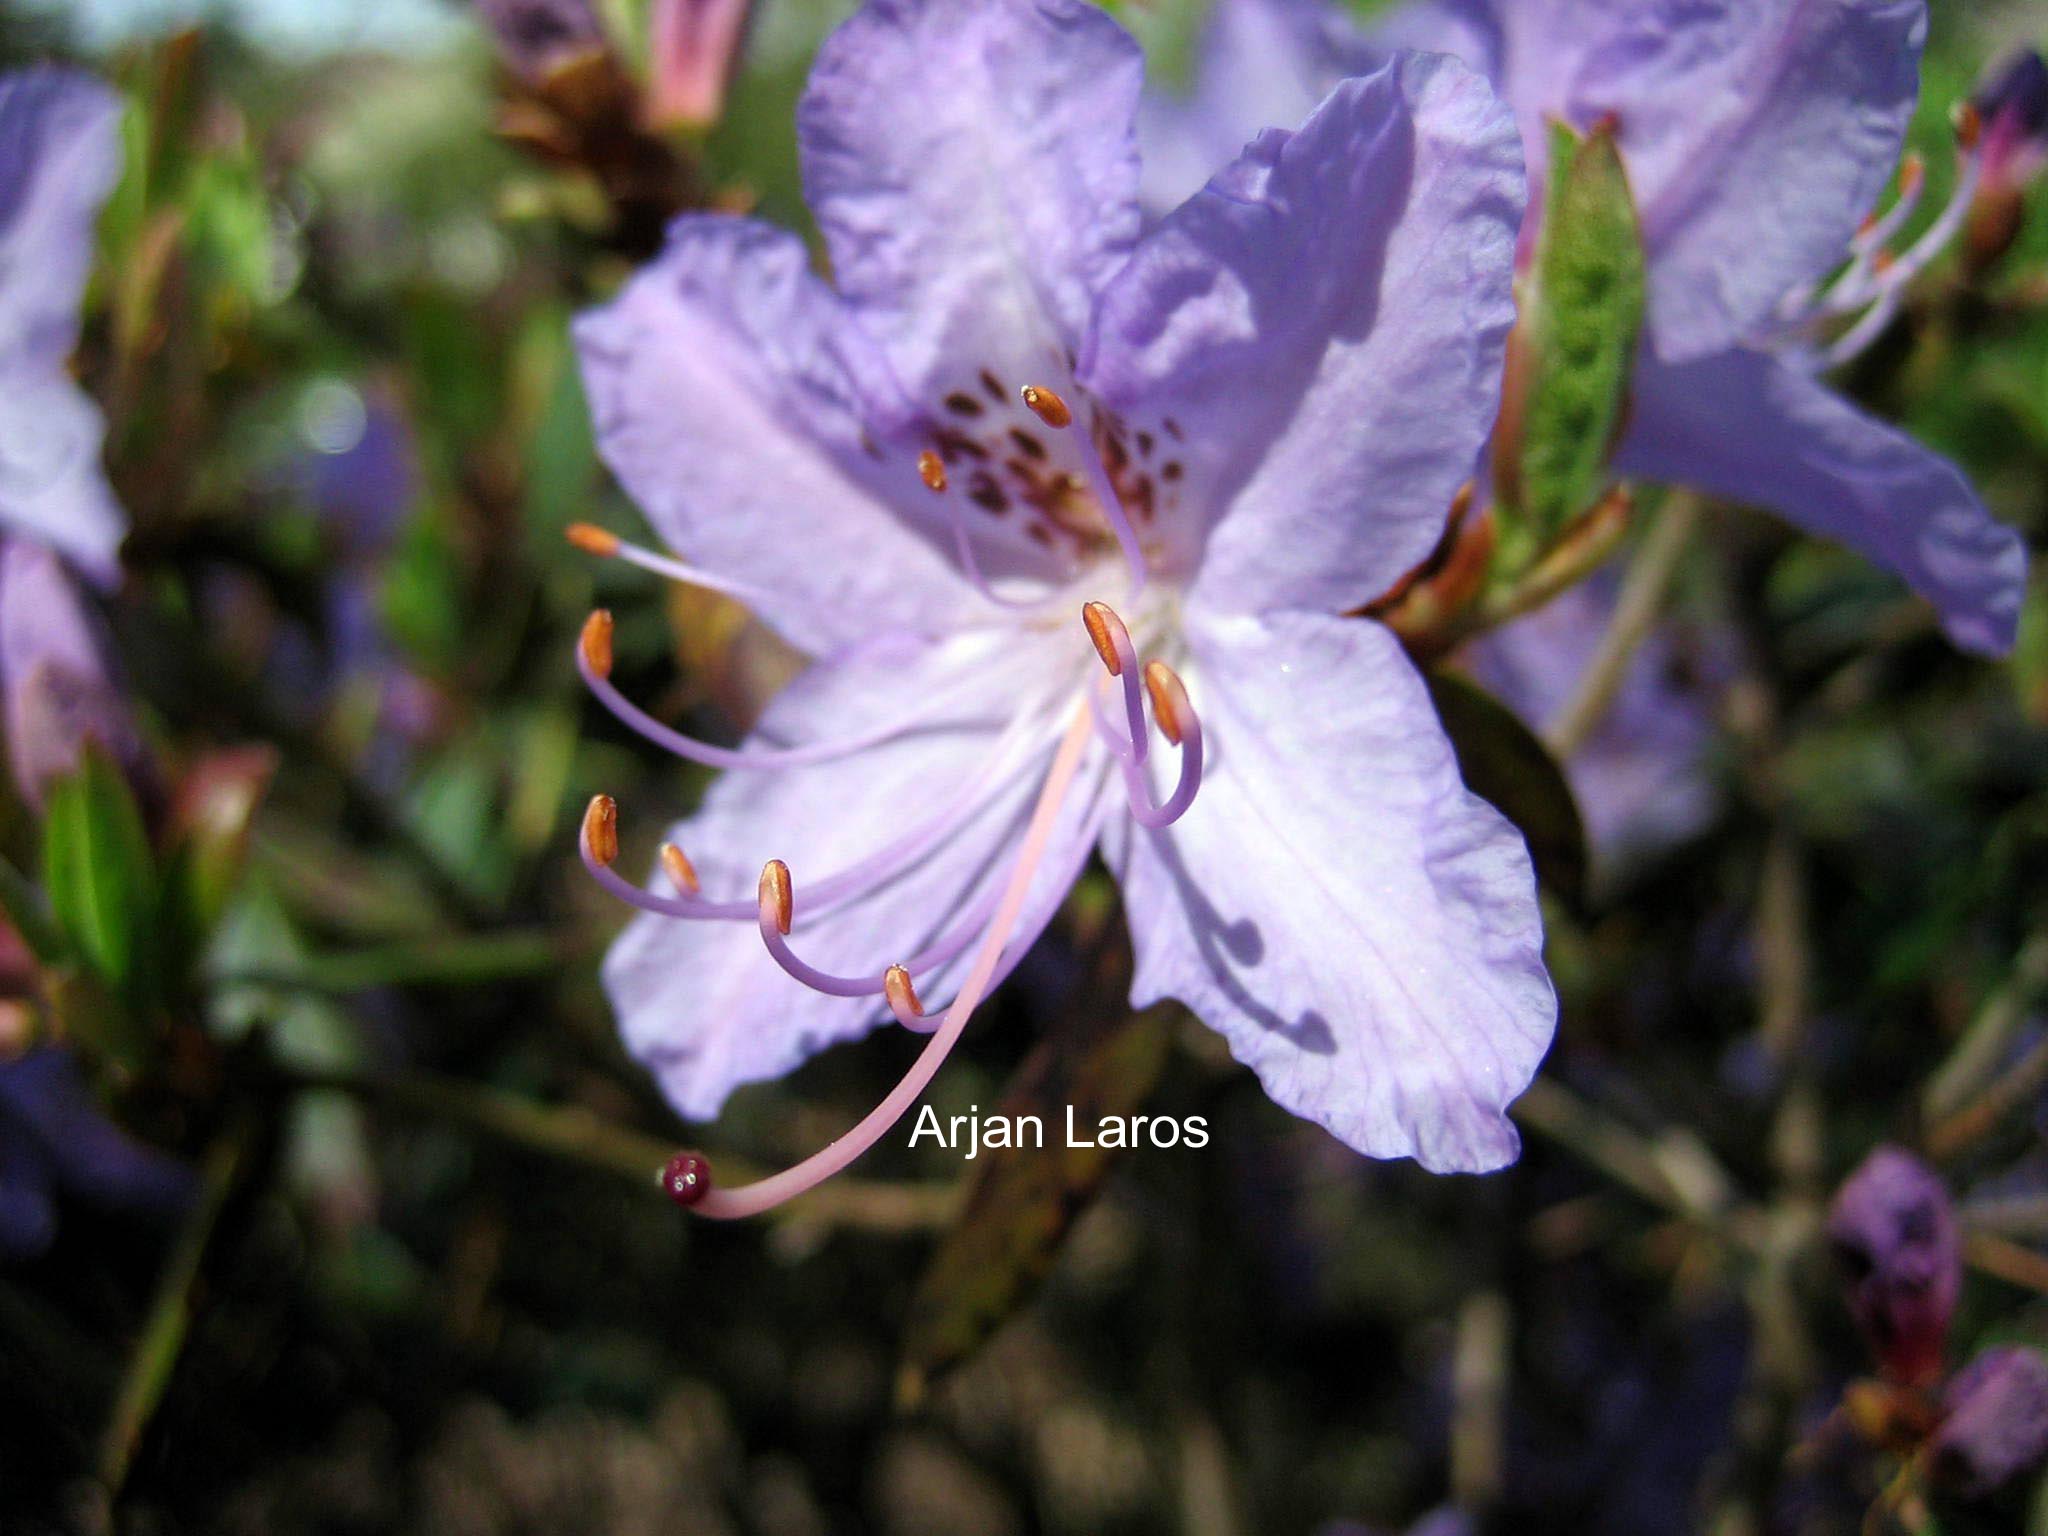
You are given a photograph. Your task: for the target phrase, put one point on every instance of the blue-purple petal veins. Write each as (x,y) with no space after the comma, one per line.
(1893,1230)
(1757,135)
(59,158)
(1291,375)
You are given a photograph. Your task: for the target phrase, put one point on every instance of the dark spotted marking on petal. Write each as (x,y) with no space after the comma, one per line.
(1170,471)
(1145,445)
(960,403)
(1028,445)
(955,446)
(1173,430)
(983,491)
(995,389)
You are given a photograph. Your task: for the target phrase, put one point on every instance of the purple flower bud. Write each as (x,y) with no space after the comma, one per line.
(2013,108)
(1894,1232)
(537,37)
(2013,103)
(1997,1422)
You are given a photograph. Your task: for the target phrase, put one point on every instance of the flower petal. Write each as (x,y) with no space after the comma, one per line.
(702,1004)
(59,157)
(1322,327)
(1757,133)
(1749,427)
(1263,64)
(1640,779)
(973,166)
(745,413)
(52,486)
(1360,928)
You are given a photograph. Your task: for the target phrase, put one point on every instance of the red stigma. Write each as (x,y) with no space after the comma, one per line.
(687,1178)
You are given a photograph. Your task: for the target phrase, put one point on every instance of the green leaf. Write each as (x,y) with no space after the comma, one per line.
(98,871)
(1023,1201)
(1581,318)
(1505,764)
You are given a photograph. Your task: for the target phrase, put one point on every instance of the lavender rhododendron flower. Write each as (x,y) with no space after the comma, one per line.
(1639,779)
(537,37)
(1219,437)
(1757,136)
(59,157)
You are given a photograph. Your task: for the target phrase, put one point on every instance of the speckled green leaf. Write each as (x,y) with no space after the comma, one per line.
(1583,313)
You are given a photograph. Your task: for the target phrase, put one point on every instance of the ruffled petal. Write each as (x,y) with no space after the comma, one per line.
(974,168)
(701,1003)
(1749,427)
(1360,928)
(748,416)
(1320,331)
(1757,133)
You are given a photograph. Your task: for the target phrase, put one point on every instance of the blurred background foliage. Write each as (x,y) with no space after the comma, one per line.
(425,1280)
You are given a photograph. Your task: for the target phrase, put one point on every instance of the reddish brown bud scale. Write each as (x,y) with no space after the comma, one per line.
(596,641)
(1047,407)
(686,1178)
(778,897)
(601,828)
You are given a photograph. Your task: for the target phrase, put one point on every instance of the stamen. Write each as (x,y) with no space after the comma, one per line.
(1872,287)
(1169,699)
(593,661)
(778,901)
(593,540)
(1112,642)
(595,643)
(753,1198)
(1179,723)
(863,875)
(932,470)
(1052,410)
(1047,407)
(601,829)
(901,992)
(681,872)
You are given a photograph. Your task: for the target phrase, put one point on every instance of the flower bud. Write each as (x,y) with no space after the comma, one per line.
(2013,106)
(1997,1422)
(536,38)
(1894,1233)
(693,47)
